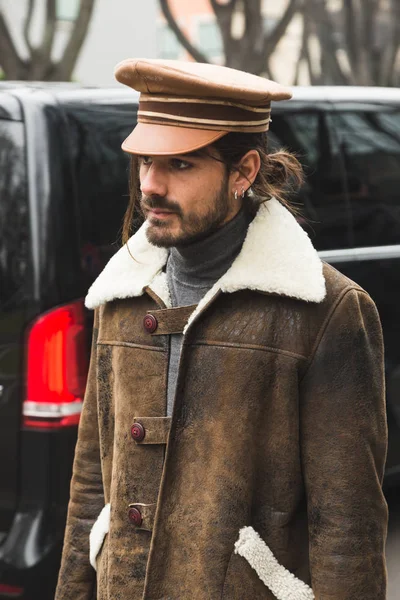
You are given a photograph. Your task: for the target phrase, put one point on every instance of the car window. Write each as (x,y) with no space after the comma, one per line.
(14,223)
(369,140)
(322,199)
(101,174)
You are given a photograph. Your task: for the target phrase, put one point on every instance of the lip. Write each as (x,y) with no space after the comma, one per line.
(156,212)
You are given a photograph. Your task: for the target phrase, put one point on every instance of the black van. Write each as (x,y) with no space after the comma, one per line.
(63,193)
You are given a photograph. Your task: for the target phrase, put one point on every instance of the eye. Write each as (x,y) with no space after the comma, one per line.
(145,160)
(180,165)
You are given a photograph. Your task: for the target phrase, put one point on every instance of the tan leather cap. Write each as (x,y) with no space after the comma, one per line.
(185,106)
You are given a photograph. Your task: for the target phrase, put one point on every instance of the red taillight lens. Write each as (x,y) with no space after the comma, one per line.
(10,591)
(57,364)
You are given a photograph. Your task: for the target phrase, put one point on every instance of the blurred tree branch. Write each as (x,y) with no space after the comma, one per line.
(349,42)
(359,44)
(9,58)
(181,37)
(252,50)
(27,24)
(39,65)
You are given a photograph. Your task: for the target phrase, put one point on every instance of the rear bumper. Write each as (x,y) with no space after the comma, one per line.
(30,557)
(30,553)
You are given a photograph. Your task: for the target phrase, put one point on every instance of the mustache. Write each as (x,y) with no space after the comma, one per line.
(160,202)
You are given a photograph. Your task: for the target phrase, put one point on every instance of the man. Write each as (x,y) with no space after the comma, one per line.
(234,423)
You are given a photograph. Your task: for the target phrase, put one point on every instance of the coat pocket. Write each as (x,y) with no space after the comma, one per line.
(97,535)
(281,582)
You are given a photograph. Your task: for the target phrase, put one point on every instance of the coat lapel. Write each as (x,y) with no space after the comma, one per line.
(277,257)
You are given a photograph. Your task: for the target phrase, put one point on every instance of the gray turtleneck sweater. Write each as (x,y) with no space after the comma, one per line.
(192,270)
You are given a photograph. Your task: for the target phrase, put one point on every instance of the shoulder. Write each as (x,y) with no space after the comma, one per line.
(337,284)
(347,306)
(342,291)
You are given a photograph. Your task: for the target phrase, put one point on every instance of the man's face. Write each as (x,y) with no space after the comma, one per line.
(184,198)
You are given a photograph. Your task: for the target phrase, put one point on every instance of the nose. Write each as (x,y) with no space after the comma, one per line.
(153,182)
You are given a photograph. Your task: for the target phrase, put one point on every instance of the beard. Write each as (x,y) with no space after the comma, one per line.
(191,226)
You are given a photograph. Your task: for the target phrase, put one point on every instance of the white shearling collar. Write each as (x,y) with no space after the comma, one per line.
(277,257)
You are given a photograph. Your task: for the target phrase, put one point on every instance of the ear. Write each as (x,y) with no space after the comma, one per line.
(246,172)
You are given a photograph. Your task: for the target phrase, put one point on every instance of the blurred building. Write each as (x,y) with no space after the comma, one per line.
(197,20)
(118,30)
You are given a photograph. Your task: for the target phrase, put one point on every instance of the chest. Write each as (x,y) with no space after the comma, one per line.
(237,348)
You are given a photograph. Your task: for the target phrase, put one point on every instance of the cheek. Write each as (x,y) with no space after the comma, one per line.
(189,195)
(196,191)
(142,175)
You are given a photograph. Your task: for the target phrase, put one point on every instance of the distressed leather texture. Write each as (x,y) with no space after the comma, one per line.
(156,428)
(279,423)
(148,512)
(172,320)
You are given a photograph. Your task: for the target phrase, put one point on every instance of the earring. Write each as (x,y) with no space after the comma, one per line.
(235,195)
(243,193)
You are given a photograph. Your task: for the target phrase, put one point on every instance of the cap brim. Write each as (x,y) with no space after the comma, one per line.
(150,139)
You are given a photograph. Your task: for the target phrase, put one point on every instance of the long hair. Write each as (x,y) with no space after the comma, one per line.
(133,216)
(279,174)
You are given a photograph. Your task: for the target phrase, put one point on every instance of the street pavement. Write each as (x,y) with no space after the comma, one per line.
(393,545)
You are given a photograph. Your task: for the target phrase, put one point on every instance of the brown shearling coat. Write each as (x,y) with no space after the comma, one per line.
(266,482)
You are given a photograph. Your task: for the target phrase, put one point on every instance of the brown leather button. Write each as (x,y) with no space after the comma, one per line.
(138,432)
(150,323)
(135,516)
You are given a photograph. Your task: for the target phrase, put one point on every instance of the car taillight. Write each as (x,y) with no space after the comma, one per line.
(57,365)
(10,591)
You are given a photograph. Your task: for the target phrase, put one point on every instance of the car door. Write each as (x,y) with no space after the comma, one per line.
(15,297)
(367,136)
(306,130)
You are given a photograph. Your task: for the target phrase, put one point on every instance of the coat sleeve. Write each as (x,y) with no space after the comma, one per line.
(77,577)
(343,444)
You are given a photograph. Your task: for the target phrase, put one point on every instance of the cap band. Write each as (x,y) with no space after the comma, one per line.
(213,114)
